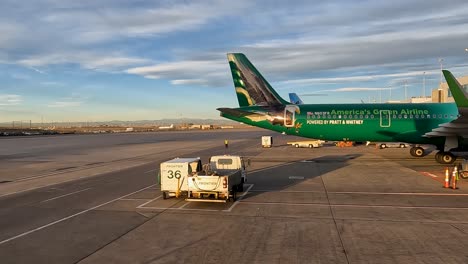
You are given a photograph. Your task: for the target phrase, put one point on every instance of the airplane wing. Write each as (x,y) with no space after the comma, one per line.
(459,126)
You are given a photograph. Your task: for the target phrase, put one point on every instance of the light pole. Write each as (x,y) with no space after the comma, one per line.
(406,93)
(424,85)
(440,61)
(390,96)
(380,95)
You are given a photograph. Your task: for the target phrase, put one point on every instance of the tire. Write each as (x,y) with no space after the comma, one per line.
(447,158)
(311,146)
(240,187)
(296,145)
(164,195)
(418,152)
(464,174)
(382,146)
(234,197)
(402,146)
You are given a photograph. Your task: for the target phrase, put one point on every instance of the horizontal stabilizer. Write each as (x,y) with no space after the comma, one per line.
(239,113)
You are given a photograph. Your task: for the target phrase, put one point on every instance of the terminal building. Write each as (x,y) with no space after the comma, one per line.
(442,93)
(439,95)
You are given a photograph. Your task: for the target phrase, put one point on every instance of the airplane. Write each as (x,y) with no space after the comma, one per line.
(444,125)
(166,127)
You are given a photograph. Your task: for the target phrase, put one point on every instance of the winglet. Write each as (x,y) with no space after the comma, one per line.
(459,94)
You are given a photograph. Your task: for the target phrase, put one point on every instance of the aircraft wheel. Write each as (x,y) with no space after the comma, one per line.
(438,156)
(311,146)
(165,195)
(446,158)
(382,146)
(402,146)
(417,152)
(297,145)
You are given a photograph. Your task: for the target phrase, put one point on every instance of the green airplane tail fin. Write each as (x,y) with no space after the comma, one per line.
(251,88)
(459,94)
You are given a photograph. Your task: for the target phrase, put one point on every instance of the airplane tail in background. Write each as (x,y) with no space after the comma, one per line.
(459,94)
(294,99)
(251,88)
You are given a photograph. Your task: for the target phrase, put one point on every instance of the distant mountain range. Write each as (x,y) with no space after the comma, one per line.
(160,122)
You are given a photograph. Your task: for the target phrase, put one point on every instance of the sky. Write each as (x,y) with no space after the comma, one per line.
(67,60)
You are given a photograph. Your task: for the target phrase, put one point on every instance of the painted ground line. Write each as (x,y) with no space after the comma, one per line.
(58,197)
(239,199)
(71,216)
(151,171)
(152,200)
(357,205)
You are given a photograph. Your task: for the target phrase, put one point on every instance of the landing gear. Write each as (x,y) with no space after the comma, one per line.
(417,152)
(445,157)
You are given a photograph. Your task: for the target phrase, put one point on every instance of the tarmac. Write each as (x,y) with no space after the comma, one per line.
(95,199)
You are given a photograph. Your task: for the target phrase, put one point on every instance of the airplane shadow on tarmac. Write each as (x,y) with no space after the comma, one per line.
(289,176)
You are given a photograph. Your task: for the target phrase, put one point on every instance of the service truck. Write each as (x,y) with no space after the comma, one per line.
(220,180)
(173,175)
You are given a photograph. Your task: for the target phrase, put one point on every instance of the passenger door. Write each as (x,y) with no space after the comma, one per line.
(385,120)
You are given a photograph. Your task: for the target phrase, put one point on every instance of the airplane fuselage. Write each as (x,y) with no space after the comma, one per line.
(356,122)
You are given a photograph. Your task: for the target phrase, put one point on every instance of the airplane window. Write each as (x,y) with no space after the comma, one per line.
(334,116)
(451,116)
(372,116)
(367,116)
(329,116)
(339,116)
(406,116)
(394,116)
(416,116)
(434,116)
(355,116)
(440,115)
(345,116)
(399,116)
(361,116)
(411,116)
(428,116)
(445,116)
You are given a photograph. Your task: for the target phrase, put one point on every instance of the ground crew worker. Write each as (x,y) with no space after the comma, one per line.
(226,143)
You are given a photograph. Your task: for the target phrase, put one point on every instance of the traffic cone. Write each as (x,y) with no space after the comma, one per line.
(454,178)
(446,184)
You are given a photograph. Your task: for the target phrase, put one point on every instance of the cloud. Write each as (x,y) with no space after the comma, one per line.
(199,72)
(10,99)
(88,60)
(74,100)
(360,78)
(356,89)
(64,104)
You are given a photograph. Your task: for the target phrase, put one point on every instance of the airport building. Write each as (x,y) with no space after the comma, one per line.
(442,94)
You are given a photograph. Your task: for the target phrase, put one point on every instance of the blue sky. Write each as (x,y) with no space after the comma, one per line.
(132,60)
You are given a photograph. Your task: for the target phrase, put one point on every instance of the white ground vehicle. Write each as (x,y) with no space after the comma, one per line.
(173,175)
(221,179)
(306,144)
(383,145)
(267,141)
